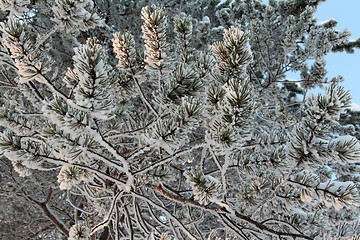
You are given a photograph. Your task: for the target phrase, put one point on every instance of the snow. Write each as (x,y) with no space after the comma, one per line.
(127,159)
(154,35)
(79,231)
(342,189)
(345,139)
(325,21)
(337,205)
(68,177)
(305,195)
(16,7)
(73,15)
(354,107)
(124,48)
(346,147)
(334,186)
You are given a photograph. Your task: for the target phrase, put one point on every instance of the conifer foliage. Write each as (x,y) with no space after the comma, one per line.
(125,120)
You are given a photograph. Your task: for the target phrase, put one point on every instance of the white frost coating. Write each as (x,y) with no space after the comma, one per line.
(169,215)
(304,144)
(20,162)
(164,236)
(337,205)
(16,7)
(106,219)
(154,35)
(335,185)
(79,231)
(223,168)
(207,190)
(342,189)
(68,177)
(20,168)
(346,147)
(305,195)
(152,236)
(29,62)
(258,153)
(72,15)
(92,71)
(124,48)
(204,24)
(168,159)
(54,117)
(28,71)
(354,107)
(234,52)
(125,165)
(325,21)
(299,211)
(346,138)
(224,205)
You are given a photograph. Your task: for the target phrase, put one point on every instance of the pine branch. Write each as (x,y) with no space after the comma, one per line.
(44,207)
(147,103)
(223,210)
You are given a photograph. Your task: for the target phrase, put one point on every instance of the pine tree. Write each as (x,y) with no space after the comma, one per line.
(126,120)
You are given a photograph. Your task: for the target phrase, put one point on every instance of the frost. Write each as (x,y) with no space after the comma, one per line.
(151,236)
(337,205)
(355,107)
(79,231)
(93,91)
(234,52)
(124,47)
(154,35)
(346,148)
(16,7)
(198,133)
(72,15)
(70,176)
(21,169)
(335,185)
(204,188)
(327,22)
(344,193)
(305,196)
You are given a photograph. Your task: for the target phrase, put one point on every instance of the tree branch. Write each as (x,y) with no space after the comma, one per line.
(223,210)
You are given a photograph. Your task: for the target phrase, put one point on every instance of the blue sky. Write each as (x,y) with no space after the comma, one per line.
(347,13)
